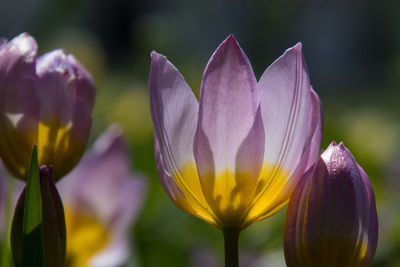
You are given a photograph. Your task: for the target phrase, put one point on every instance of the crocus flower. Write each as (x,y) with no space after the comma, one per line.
(45,101)
(331,219)
(233,157)
(101,198)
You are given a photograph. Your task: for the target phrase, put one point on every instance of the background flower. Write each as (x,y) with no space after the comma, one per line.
(45,101)
(101,199)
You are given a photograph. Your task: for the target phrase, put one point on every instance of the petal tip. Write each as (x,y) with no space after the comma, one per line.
(154,54)
(53,61)
(298,46)
(231,37)
(295,50)
(231,42)
(341,145)
(26,45)
(155,57)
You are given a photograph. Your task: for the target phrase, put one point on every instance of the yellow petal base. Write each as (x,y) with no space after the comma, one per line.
(232,199)
(86,236)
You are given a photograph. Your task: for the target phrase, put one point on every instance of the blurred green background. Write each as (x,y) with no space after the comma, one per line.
(352,49)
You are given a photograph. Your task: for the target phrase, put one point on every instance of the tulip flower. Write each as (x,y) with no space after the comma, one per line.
(45,101)
(101,198)
(331,219)
(233,157)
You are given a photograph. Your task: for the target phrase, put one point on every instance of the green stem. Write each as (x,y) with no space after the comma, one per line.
(231,242)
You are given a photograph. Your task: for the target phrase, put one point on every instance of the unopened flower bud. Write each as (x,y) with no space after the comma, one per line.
(331,219)
(53,223)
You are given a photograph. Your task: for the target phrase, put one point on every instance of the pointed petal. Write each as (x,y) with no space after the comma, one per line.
(316,126)
(285,93)
(228,105)
(230,134)
(174,110)
(292,119)
(312,146)
(19,107)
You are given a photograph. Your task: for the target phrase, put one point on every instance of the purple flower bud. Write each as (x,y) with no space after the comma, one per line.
(45,101)
(53,227)
(331,219)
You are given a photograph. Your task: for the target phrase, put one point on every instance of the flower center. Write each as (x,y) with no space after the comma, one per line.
(52,139)
(233,197)
(86,236)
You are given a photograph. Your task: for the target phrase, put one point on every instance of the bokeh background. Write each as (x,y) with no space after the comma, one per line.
(352,49)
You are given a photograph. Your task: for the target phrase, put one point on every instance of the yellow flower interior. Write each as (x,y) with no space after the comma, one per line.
(232,198)
(86,236)
(51,139)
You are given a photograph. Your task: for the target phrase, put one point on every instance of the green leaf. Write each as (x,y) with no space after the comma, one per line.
(32,244)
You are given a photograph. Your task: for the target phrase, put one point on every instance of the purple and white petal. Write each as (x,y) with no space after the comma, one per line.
(66,92)
(229,141)
(106,170)
(312,146)
(102,186)
(54,73)
(292,119)
(316,127)
(174,110)
(114,255)
(228,107)
(285,94)
(184,199)
(168,183)
(19,106)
